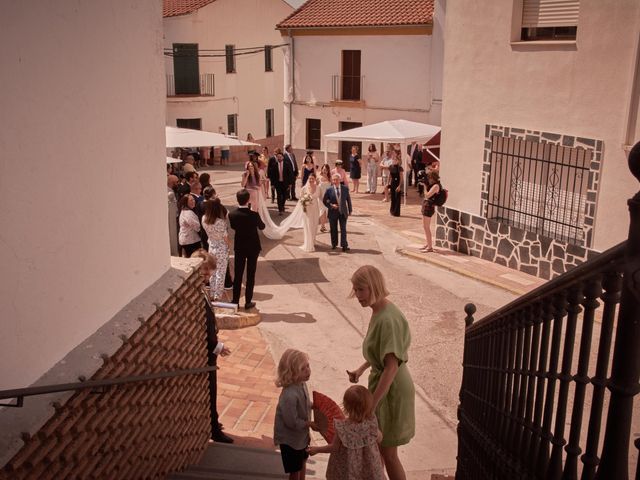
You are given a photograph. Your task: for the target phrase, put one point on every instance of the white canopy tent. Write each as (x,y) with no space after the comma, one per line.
(184,137)
(389,131)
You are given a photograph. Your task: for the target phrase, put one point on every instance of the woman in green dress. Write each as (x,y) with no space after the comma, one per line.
(385,351)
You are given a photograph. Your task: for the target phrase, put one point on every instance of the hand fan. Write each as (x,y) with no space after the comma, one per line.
(325,411)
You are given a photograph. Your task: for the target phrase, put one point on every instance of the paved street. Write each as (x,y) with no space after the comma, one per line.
(303,300)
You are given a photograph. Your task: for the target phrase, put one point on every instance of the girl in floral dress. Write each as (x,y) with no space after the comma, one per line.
(354,451)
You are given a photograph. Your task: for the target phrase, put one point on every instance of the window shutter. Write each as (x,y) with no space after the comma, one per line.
(550,13)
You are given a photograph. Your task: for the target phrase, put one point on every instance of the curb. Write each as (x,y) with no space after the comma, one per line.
(235,321)
(461,271)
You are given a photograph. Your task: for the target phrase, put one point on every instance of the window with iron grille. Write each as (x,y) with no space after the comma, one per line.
(268,114)
(549,19)
(268,58)
(539,187)
(232,124)
(230,57)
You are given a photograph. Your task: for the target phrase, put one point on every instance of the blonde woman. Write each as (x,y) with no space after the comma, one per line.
(385,350)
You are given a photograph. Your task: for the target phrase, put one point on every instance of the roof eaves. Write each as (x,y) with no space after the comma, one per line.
(333,27)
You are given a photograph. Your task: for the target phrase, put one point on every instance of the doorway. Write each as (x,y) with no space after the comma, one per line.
(344,148)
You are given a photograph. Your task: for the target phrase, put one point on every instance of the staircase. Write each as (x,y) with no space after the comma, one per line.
(222,461)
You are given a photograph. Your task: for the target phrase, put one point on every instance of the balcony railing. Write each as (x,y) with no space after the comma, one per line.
(536,384)
(347,88)
(203,86)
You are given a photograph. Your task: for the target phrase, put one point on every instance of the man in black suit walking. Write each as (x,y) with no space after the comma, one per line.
(291,158)
(280,175)
(247,247)
(338,202)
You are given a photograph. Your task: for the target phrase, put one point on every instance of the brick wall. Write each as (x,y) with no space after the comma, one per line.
(142,430)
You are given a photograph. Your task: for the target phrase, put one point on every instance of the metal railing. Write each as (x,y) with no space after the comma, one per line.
(347,87)
(203,86)
(97,385)
(520,384)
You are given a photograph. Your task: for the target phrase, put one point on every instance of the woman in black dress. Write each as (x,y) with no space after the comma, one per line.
(396,177)
(355,168)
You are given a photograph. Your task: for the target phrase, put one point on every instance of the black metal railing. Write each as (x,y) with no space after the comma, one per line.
(97,385)
(534,369)
(347,87)
(202,85)
(539,187)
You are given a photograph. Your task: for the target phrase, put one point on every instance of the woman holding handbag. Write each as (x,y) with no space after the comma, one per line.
(396,177)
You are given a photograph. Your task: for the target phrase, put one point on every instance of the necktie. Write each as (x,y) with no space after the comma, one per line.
(280,169)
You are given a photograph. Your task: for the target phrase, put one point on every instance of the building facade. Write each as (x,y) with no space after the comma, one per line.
(356,63)
(224,66)
(541,107)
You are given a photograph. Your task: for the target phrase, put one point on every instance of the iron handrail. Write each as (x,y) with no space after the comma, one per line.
(20,393)
(606,258)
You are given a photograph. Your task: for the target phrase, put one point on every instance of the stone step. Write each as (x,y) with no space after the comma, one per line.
(233,462)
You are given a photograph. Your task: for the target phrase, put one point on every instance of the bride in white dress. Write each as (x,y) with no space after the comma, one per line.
(308,220)
(312,213)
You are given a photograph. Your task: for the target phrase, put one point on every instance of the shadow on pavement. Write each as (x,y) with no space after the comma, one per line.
(293,317)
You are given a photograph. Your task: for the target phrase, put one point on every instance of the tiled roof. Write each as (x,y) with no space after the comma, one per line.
(359,13)
(173,8)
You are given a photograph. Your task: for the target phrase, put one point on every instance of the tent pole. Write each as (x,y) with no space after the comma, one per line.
(403,153)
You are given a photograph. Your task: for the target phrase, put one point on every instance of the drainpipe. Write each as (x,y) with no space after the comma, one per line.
(634,102)
(292,71)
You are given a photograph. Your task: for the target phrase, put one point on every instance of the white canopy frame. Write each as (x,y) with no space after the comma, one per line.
(403,132)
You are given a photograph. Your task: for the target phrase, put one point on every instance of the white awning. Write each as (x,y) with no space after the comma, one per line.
(391,131)
(184,137)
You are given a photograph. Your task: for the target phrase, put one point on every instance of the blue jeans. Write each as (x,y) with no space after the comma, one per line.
(333,226)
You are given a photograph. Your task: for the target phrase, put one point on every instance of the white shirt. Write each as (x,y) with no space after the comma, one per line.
(189,228)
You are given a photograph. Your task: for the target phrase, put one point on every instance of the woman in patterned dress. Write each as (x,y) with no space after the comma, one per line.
(214,222)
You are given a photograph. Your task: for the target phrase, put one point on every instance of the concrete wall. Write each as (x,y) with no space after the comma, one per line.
(250,91)
(401,79)
(580,89)
(82,191)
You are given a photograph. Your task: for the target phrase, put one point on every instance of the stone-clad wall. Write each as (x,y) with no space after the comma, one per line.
(506,245)
(133,431)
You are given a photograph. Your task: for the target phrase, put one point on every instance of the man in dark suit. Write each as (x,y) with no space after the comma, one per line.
(338,202)
(280,175)
(247,247)
(214,347)
(291,158)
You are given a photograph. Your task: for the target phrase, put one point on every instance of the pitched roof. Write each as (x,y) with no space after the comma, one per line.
(173,8)
(359,13)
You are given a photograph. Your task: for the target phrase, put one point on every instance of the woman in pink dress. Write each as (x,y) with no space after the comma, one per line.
(251,181)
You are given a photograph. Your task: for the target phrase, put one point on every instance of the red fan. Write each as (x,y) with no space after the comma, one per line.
(325,411)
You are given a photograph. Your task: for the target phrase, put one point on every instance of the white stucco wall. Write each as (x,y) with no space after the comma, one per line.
(582,89)
(248,92)
(398,71)
(83,184)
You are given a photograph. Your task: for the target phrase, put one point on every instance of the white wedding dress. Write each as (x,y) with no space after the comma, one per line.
(311,220)
(298,219)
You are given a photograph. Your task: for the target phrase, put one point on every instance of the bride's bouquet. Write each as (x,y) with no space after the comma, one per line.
(305,200)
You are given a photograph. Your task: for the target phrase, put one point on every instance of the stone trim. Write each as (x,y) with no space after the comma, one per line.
(571,141)
(506,245)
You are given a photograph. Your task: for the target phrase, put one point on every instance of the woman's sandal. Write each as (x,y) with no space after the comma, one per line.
(323,229)
(426,250)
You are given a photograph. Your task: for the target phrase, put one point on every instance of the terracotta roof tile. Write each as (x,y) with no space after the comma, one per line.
(359,13)
(173,8)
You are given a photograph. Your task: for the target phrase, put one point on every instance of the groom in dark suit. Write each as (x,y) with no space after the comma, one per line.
(338,202)
(280,175)
(246,244)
